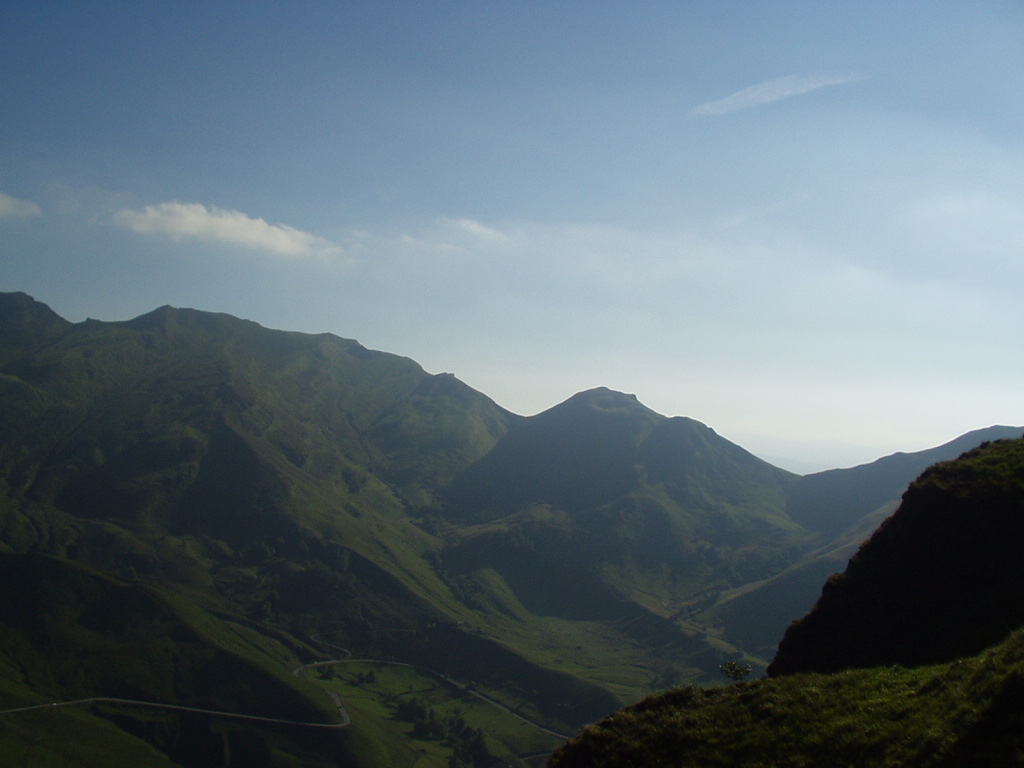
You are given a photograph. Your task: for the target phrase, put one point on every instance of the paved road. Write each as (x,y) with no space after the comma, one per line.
(345,719)
(178,708)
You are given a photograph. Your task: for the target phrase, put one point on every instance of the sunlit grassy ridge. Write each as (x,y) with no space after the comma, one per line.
(968,712)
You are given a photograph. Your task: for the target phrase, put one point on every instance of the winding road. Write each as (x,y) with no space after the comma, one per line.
(180,708)
(463,687)
(344,722)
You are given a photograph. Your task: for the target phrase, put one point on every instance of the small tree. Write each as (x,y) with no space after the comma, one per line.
(735,671)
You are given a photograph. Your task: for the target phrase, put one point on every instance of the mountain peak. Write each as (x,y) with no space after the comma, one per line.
(19,310)
(27,323)
(604,400)
(168,316)
(598,394)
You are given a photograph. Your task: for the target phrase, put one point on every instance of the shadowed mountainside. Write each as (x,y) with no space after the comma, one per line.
(859,498)
(941,578)
(913,658)
(614,502)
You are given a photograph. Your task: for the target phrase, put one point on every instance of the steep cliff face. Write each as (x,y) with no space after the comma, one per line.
(941,579)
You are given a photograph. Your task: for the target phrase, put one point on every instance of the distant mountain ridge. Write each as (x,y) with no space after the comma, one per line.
(568,562)
(847,493)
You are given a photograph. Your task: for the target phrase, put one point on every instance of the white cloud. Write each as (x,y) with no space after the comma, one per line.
(13,208)
(195,220)
(772,90)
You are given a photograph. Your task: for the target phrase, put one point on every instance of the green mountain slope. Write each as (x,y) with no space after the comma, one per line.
(69,633)
(939,579)
(757,615)
(966,713)
(272,470)
(287,477)
(600,510)
(604,490)
(843,507)
(558,565)
(914,657)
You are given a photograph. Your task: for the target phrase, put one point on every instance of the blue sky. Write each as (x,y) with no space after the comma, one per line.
(800,223)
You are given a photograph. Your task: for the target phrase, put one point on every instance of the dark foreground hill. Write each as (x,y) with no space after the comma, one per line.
(920,636)
(842,507)
(942,578)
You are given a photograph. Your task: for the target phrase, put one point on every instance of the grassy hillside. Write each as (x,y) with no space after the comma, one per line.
(69,633)
(634,517)
(913,657)
(310,481)
(965,713)
(291,479)
(561,565)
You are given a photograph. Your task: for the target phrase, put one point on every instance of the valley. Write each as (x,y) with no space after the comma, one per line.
(195,506)
(911,657)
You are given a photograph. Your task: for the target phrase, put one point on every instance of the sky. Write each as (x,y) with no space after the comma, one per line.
(800,223)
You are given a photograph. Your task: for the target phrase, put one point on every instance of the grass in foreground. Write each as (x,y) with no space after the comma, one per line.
(969,712)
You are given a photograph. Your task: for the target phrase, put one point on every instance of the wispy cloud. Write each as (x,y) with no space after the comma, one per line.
(456,236)
(13,208)
(772,90)
(196,221)
(474,228)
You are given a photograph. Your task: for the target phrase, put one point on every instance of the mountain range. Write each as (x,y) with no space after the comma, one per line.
(913,656)
(254,490)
